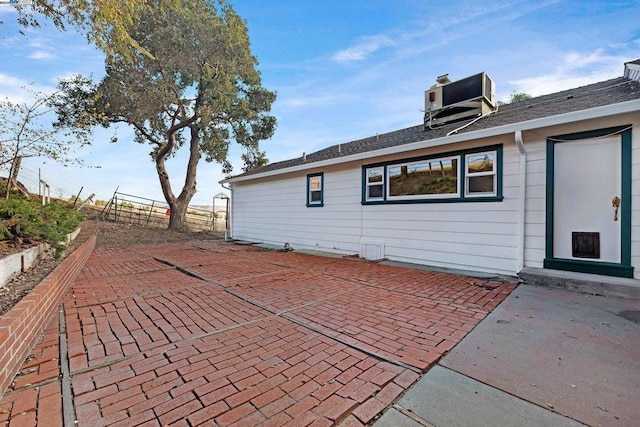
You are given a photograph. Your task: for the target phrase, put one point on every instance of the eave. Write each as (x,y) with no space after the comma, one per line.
(559,119)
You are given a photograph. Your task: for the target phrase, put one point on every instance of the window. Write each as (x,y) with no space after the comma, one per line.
(374,184)
(469,175)
(426,178)
(315,190)
(481,174)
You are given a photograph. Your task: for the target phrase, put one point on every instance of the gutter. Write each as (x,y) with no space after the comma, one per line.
(522,202)
(592,113)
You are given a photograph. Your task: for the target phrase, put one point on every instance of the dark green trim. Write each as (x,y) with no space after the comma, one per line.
(627,199)
(461,198)
(601,268)
(363,199)
(590,134)
(548,253)
(442,200)
(315,205)
(499,173)
(363,185)
(624,268)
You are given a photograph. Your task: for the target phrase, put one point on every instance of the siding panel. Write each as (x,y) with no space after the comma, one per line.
(480,235)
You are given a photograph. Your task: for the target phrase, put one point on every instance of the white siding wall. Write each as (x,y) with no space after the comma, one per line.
(536,144)
(535,206)
(478,236)
(275,212)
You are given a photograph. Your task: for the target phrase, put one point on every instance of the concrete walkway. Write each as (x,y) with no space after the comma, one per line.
(544,357)
(214,333)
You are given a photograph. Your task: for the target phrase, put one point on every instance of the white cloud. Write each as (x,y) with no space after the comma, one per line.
(36,43)
(16,89)
(41,54)
(574,70)
(314,100)
(365,47)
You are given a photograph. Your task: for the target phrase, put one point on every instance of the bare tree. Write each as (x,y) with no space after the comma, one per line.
(27,130)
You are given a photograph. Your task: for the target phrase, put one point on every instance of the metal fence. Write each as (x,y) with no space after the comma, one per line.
(138,210)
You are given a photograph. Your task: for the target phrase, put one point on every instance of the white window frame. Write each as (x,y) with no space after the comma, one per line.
(310,191)
(369,184)
(493,173)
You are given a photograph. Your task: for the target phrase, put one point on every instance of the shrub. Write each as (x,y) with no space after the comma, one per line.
(27,219)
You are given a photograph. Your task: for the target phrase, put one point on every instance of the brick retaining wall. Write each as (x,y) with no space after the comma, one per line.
(21,326)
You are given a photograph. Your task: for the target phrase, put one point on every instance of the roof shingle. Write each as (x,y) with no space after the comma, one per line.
(594,95)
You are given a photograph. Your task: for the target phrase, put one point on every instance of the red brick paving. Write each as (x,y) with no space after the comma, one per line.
(227,377)
(129,326)
(42,365)
(253,337)
(237,269)
(35,395)
(100,290)
(400,327)
(288,289)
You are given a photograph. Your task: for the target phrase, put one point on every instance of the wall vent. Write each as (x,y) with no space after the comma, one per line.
(372,250)
(449,101)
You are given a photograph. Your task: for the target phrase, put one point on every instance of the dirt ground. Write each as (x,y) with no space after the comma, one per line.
(109,234)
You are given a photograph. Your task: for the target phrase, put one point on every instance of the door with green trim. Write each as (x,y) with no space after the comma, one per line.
(588,221)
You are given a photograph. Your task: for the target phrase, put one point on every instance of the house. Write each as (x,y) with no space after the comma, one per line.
(547,182)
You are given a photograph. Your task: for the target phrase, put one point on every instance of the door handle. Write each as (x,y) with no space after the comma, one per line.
(615,202)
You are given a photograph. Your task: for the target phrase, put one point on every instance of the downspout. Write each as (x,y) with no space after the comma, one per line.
(523,199)
(229,227)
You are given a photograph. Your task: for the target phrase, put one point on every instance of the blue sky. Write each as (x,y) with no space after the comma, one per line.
(343,70)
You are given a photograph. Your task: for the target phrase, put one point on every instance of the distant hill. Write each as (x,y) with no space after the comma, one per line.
(219,208)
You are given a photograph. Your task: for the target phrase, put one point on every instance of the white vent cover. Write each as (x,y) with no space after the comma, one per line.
(371,249)
(632,70)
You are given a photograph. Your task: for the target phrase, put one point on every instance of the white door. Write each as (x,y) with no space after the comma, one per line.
(587,176)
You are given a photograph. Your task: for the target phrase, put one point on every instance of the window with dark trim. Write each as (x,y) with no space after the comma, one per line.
(315,190)
(480,174)
(374,183)
(461,176)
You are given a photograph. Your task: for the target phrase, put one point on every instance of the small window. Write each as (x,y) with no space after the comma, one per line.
(315,190)
(481,174)
(375,184)
(425,178)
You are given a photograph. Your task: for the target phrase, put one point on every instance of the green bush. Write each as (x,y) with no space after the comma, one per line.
(27,219)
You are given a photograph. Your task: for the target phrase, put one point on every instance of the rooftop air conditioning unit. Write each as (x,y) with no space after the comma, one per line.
(449,101)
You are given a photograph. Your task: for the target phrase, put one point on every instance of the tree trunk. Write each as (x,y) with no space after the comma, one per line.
(13,175)
(178,205)
(178,218)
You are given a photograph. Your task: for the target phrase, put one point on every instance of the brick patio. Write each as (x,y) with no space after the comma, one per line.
(187,334)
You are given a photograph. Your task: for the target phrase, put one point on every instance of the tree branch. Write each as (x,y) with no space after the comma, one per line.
(146,134)
(175,128)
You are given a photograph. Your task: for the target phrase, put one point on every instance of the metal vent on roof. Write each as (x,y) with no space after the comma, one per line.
(449,101)
(632,70)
